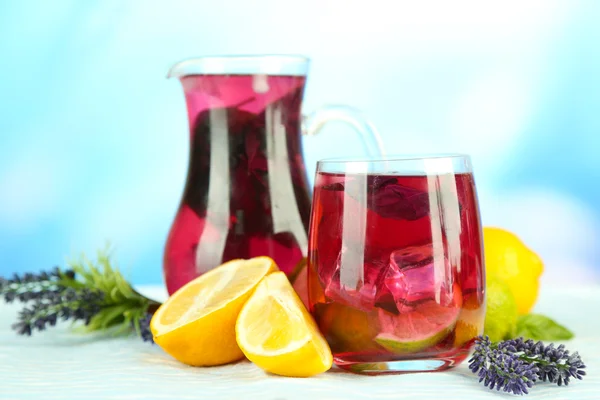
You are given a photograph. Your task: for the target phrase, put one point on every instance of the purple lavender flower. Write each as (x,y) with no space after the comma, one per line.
(32,287)
(145,333)
(516,365)
(556,364)
(70,304)
(502,370)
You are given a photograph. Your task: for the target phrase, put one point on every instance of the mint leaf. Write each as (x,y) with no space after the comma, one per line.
(541,327)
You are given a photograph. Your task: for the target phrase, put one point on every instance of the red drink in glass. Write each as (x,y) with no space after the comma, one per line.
(396,277)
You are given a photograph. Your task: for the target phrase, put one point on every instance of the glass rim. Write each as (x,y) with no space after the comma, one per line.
(234,63)
(394,158)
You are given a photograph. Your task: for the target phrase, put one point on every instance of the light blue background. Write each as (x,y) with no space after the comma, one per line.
(93,138)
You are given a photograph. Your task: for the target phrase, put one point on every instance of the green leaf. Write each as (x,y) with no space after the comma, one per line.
(104,261)
(134,316)
(71,283)
(97,277)
(116,296)
(110,316)
(541,327)
(122,329)
(123,286)
(79,269)
(95,324)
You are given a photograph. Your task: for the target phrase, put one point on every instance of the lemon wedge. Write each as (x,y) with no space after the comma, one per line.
(277,333)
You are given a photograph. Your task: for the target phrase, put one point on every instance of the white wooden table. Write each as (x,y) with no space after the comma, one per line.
(61,365)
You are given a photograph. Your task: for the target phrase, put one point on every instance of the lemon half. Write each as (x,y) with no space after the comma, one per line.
(196,325)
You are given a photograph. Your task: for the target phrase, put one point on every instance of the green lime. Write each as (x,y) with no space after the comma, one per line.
(412,332)
(501,310)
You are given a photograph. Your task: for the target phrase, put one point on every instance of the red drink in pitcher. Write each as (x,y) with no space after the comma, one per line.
(246,194)
(396,279)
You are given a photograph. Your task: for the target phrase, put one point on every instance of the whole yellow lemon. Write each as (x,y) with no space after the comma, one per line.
(510,260)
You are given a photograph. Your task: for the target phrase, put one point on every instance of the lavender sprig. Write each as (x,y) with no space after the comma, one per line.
(556,365)
(31,286)
(68,304)
(516,365)
(502,370)
(93,293)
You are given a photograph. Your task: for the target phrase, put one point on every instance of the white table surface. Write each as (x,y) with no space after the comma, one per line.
(61,365)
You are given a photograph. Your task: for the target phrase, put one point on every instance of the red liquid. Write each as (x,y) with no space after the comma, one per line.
(395,268)
(246,193)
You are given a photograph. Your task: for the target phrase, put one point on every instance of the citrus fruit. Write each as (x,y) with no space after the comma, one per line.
(470,320)
(501,310)
(196,325)
(465,332)
(347,328)
(415,331)
(276,332)
(509,259)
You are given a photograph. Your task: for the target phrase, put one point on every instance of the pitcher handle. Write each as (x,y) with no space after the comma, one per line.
(312,124)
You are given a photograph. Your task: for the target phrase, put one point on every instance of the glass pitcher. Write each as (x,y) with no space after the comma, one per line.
(247,192)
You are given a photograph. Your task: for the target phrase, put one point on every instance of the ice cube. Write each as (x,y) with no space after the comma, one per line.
(360,291)
(415,275)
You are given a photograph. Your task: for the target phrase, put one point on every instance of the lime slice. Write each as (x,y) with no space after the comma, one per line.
(418,330)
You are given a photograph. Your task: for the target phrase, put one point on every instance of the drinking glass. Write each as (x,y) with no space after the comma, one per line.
(396,276)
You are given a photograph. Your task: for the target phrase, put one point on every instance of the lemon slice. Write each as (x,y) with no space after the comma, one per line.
(196,325)
(276,332)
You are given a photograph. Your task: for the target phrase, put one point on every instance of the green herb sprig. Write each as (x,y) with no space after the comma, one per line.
(94,293)
(541,327)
